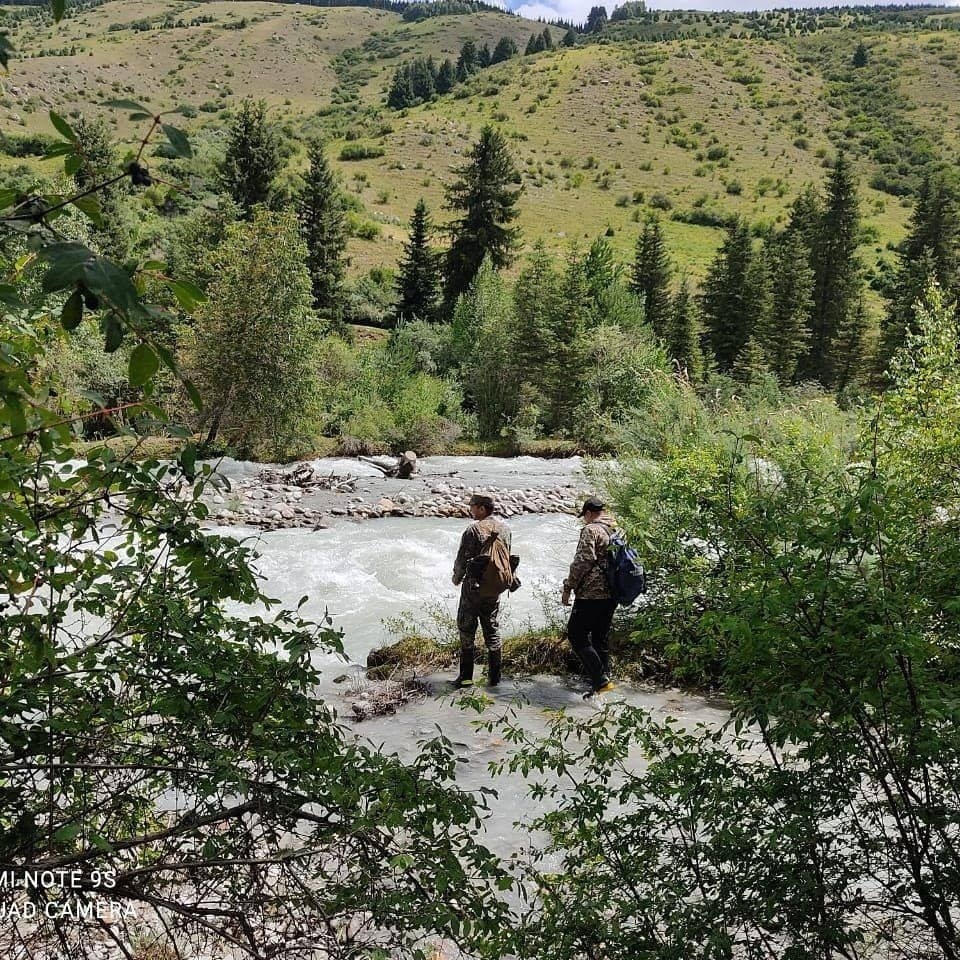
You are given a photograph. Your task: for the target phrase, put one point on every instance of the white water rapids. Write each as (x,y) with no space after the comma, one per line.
(363,573)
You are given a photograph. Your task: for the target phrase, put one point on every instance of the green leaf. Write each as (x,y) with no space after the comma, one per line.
(7,197)
(127,105)
(143,365)
(10,296)
(188,294)
(178,140)
(153,265)
(62,127)
(67,263)
(58,7)
(59,149)
(188,459)
(194,394)
(90,205)
(112,333)
(72,312)
(67,833)
(72,163)
(107,279)
(140,115)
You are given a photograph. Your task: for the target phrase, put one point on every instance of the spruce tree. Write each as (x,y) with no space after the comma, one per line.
(651,275)
(837,280)
(252,159)
(401,89)
(861,55)
(570,38)
(446,76)
(750,364)
(536,296)
(547,39)
(487,203)
(929,253)
(421,81)
(323,225)
(467,62)
(785,330)
(726,303)
(683,333)
(504,50)
(596,19)
(418,281)
(112,236)
(484,56)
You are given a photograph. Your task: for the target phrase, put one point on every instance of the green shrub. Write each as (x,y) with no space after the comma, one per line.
(360,151)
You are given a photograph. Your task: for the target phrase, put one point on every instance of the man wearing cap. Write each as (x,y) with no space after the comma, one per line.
(473,607)
(592,613)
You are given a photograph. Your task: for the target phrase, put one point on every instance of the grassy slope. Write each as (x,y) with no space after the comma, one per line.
(642,112)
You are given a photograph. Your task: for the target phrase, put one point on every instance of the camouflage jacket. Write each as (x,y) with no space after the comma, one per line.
(472,541)
(588,572)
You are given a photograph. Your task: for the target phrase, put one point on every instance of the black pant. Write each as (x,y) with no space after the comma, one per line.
(588,630)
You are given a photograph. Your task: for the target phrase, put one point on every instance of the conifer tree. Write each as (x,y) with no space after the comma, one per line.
(837,280)
(568,361)
(534,44)
(484,56)
(446,76)
(785,331)
(252,160)
(651,275)
(929,253)
(421,80)
(750,364)
(537,305)
(504,50)
(113,234)
(861,55)
(570,38)
(683,333)
(418,281)
(401,89)
(467,62)
(726,303)
(487,203)
(547,39)
(323,225)
(596,19)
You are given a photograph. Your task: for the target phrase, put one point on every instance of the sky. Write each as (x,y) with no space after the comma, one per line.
(576,10)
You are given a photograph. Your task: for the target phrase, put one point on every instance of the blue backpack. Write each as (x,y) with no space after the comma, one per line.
(625,574)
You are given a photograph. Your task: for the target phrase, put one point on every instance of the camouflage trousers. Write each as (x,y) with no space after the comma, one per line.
(475,609)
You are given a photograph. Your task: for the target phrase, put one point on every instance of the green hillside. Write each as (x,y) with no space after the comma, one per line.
(699,128)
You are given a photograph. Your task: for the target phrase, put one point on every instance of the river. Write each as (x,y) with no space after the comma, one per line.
(365,573)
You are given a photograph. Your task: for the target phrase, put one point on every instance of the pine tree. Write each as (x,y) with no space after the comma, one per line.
(929,253)
(112,236)
(323,225)
(785,330)
(252,159)
(534,44)
(683,333)
(418,281)
(651,275)
(421,81)
(861,55)
(547,39)
(750,364)
(570,38)
(488,205)
(401,89)
(596,19)
(536,301)
(467,62)
(484,57)
(837,281)
(504,50)
(726,304)
(446,76)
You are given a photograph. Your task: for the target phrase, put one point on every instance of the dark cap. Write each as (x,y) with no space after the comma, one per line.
(482,500)
(591,505)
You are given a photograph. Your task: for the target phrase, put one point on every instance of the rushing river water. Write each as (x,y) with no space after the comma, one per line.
(365,573)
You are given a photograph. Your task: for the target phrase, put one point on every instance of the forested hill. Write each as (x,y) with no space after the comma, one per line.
(728,115)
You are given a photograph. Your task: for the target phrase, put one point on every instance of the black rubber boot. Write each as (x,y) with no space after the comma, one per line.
(493,667)
(465,677)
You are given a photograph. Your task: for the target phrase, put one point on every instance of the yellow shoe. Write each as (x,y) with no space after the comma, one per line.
(605,687)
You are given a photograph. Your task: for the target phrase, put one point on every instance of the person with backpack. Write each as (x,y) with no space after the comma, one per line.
(484,570)
(604,572)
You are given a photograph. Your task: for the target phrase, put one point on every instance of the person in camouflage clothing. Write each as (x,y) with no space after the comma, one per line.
(474,608)
(592,613)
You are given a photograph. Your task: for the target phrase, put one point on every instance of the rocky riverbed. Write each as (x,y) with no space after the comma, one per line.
(309,495)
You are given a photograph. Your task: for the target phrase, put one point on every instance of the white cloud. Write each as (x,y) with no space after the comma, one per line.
(577,10)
